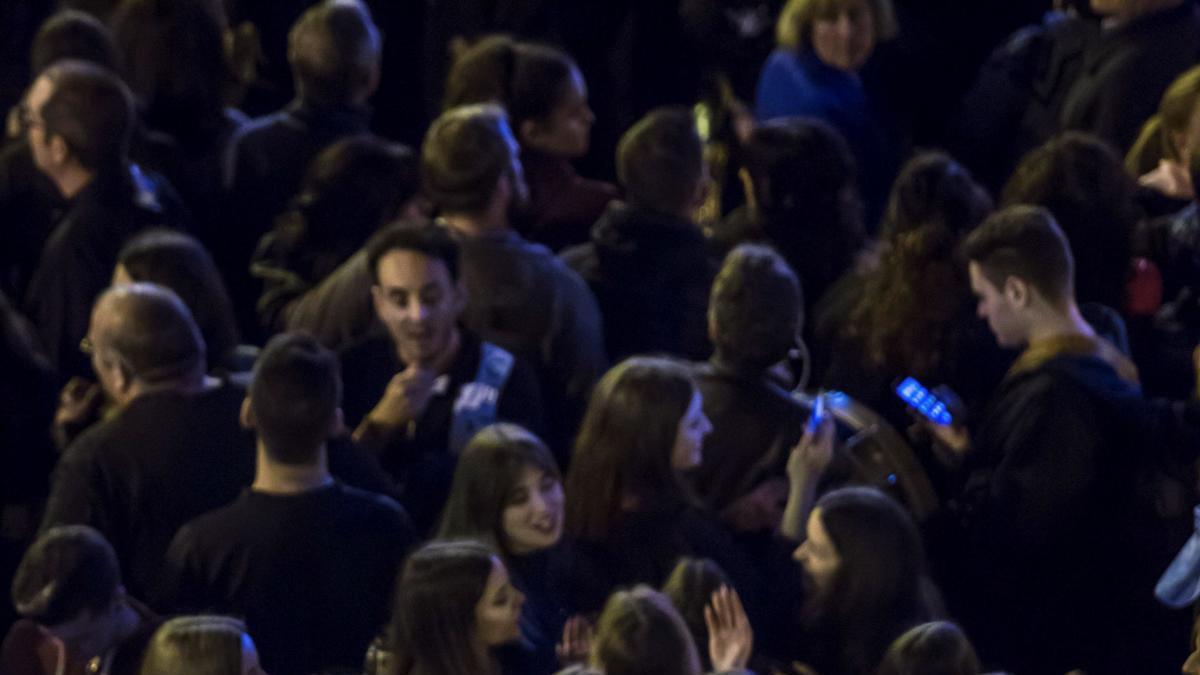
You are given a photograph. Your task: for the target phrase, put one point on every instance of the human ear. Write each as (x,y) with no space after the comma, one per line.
(246,414)
(1016,291)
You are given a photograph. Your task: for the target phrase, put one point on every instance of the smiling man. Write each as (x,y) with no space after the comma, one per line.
(417,394)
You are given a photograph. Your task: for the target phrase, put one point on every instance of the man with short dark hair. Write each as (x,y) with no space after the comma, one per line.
(79,118)
(334,50)
(68,590)
(170,450)
(648,262)
(418,394)
(308,561)
(518,295)
(1055,470)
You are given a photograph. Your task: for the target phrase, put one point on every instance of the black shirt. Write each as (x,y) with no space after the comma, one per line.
(311,573)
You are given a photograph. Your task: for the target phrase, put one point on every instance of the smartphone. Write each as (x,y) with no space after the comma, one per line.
(817,417)
(923,401)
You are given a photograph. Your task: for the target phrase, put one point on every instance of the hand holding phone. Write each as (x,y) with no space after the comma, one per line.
(924,402)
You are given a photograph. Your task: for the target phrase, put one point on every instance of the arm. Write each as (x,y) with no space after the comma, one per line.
(805,467)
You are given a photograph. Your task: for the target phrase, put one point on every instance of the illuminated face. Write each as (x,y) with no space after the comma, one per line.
(997,309)
(35,126)
(419,304)
(533,518)
(845,39)
(689,441)
(818,556)
(567,131)
(498,612)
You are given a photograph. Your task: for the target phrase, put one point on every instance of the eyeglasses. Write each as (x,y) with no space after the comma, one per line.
(26,119)
(87,347)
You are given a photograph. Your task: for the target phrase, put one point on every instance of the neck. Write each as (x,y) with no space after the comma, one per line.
(441,362)
(189,384)
(1053,322)
(290,479)
(72,181)
(477,225)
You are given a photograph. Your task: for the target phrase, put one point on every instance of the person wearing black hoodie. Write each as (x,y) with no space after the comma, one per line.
(647,262)
(1056,470)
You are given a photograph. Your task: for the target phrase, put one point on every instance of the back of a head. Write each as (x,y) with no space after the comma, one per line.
(1025,242)
(181,263)
(935,193)
(937,648)
(1081,181)
(334,49)
(295,394)
(487,471)
(640,633)
(756,308)
(154,332)
(68,570)
(527,79)
(690,588)
(660,161)
(92,110)
(72,34)
(173,58)
(352,188)
(464,154)
(433,617)
(196,645)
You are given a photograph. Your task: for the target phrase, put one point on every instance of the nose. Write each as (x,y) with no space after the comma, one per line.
(417,310)
(798,554)
(845,25)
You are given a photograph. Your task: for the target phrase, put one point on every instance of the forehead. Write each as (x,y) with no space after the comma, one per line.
(39,92)
(979,282)
(404,268)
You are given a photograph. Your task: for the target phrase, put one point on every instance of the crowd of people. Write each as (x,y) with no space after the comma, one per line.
(518,338)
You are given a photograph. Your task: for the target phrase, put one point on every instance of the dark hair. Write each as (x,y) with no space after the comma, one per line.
(432,631)
(640,633)
(156,337)
(295,393)
(806,198)
(69,569)
(1081,181)
(423,236)
(351,189)
(879,588)
(92,110)
(1025,242)
(690,588)
(465,153)
(181,263)
(487,470)
(906,313)
(71,34)
(660,160)
(625,443)
(756,307)
(173,58)
(334,49)
(529,80)
(936,648)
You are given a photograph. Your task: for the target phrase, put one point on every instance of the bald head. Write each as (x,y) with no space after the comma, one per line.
(147,331)
(334,49)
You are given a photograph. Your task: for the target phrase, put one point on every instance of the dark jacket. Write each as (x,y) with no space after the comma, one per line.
(78,258)
(1127,70)
(563,205)
(651,275)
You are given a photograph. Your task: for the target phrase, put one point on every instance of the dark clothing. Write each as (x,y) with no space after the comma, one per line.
(311,573)
(420,460)
(563,205)
(651,275)
(30,205)
(643,548)
(755,424)
(78,258)
(542,617)
(522,298)
(1063,534)
(29,649)
(164,459)
(1126,71)
(270,157)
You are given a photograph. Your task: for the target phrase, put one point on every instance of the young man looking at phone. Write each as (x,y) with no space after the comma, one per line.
(1053,466)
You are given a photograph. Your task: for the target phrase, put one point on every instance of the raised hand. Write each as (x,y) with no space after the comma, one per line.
(730,638)
(576,641)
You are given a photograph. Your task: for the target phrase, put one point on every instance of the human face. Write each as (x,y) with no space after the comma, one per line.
(846,39)
(689,440)
(818,556)
(566,131)
(533,518)
(995,305)
(106,363)
(250,662)
(498,612)
(1187,141)
(418,303)
(35,126)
